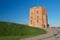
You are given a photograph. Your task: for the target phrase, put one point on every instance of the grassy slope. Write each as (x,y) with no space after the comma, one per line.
(13,31)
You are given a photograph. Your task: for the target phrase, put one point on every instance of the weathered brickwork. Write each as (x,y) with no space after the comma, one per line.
(38,17)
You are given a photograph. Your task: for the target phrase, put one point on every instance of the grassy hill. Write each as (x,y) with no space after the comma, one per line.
(13,31)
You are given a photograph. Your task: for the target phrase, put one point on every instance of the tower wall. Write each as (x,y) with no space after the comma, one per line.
(38,17)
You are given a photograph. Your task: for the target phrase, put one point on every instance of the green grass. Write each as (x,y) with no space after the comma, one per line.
(13,31)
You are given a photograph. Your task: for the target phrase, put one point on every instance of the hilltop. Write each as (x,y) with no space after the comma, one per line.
(8,29)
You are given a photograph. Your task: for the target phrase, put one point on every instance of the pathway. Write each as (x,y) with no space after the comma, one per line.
(52,34)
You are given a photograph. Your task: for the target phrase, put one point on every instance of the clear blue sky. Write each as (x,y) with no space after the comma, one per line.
(18,10)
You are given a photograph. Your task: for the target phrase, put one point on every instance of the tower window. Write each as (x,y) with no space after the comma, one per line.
(31,12)
(37,19)
(31,17)
(37,11)
(31,21)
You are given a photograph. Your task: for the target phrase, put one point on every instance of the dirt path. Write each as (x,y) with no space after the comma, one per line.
(52,34)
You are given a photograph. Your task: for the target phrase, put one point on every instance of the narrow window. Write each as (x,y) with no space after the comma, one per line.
(31,17)
(37,19)
(37,11)
(31,12)
(31,21)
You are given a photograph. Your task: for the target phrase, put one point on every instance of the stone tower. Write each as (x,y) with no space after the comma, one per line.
(38,17)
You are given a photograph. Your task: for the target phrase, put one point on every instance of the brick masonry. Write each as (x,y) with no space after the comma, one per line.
(38,17)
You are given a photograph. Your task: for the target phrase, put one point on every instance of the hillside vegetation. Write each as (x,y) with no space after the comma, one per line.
(8,30)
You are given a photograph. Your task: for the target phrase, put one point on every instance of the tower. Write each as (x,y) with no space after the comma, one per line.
(38,17)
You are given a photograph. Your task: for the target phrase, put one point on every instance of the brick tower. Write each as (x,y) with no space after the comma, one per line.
(38,17)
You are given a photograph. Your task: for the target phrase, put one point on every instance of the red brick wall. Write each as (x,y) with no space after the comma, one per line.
(38,17)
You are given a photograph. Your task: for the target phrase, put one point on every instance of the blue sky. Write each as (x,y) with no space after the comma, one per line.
(17,11)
